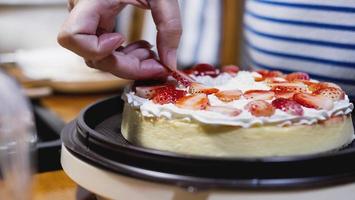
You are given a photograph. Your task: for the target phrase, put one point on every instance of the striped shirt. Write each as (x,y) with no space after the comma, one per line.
(314,36)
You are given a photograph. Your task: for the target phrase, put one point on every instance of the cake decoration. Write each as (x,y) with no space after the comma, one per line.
(259,93)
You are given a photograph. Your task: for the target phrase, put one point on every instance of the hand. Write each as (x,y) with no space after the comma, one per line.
(88,31)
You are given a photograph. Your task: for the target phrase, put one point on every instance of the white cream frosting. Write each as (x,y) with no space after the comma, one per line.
(243,81)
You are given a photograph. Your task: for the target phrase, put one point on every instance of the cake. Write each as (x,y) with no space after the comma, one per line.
(231,113)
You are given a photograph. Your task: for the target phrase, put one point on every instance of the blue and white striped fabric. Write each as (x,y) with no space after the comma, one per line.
(314,36)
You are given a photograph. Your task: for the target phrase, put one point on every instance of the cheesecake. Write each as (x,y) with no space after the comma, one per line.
(205,111)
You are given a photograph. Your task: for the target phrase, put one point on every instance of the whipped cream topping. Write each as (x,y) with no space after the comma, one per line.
(243,81)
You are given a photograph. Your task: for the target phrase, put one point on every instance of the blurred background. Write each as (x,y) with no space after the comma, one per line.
(55,84)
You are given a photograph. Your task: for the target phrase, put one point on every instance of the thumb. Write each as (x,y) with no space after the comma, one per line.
(166,17)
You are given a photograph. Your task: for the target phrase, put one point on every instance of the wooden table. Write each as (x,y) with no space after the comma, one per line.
(57,185)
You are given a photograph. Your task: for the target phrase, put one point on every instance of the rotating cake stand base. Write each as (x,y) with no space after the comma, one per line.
(109,185)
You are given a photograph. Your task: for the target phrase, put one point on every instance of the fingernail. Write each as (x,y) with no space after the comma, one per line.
(111,40)
(118,40)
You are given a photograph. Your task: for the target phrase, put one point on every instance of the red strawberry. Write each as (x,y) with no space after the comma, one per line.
(263,72)
(230,69)
(269,74)
(275,73)
(199,88)
(188,71)
(297,76)
(289,106)
(182,78)
(225,110)
(260,108)
(257,76)
(313,86)
(275,80)
(259,94)
(285,95)
(149,92)
(288,87)
(333,93)
(229,95)
(313,101)
(204,69)
(167,95)
(327,84)
(193,102)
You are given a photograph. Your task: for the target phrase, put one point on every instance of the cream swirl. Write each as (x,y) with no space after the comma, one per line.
(243,81)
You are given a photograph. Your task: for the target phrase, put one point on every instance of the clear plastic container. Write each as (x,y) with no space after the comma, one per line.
(17,142)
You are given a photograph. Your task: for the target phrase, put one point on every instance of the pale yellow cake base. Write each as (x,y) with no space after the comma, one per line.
(229,141)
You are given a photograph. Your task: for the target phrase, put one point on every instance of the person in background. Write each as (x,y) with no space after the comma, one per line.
(313,36)
(316,37)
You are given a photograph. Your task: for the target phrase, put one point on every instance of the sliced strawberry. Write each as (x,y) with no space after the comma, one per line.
(259,94)
(182,78)
(229,95)
(288,106)
(199,88)
(257,77)
(275,80)
(297,76)
(166,95)
(313,101)
(225,110)
(263,72)
(193,102)
(327,84)
(149,92)
(285,95)
(333,93)
(204,69)
(288,87)
(260,108)
(230,69)
(313,86)
(275,73)
(188,71)
(269,74)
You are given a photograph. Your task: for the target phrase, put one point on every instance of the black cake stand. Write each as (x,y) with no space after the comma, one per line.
(95,139)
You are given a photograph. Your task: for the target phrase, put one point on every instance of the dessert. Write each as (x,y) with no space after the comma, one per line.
(233,113)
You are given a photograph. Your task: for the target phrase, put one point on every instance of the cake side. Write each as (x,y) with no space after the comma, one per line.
(195,138)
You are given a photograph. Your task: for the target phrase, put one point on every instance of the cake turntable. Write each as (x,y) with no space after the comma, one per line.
(97,157)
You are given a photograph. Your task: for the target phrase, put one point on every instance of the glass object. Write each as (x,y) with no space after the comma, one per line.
(17,142)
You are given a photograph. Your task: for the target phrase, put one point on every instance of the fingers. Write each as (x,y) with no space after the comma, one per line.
(87,32)
(142,54)
(136,45)
(130,67)
(79,32)
(138,3)
(166,16)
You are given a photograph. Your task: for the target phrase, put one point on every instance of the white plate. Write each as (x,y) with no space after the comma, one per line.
(65,71)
